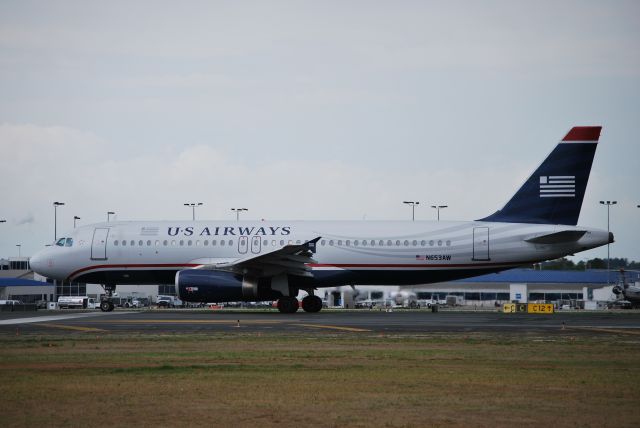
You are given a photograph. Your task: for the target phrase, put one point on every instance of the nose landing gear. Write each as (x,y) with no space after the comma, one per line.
(106,304)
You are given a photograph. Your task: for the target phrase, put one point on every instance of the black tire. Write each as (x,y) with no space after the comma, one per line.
(288,305)
(312,304)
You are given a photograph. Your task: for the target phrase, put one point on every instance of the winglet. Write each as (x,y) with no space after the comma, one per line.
(583,133)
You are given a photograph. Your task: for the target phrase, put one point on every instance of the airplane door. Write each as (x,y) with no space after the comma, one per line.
(256,244)
(243,244)
(481,243)
(99,243)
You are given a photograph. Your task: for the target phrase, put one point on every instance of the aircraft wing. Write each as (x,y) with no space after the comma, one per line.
(291,259)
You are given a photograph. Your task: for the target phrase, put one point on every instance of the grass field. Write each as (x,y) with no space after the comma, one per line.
(320,380)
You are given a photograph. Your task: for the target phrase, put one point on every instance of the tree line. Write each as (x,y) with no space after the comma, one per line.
(597,263)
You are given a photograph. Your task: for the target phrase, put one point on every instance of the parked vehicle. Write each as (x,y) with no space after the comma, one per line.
(77,302)
(168,302)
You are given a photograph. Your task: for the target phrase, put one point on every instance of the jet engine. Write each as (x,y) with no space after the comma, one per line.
(200,285)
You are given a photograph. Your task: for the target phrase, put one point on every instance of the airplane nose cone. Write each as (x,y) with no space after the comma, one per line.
(611,238)
(37,262)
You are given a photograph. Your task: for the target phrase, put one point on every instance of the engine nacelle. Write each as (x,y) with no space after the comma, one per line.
(200,285)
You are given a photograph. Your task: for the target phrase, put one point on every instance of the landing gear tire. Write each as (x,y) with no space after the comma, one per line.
(312,304)
(106,306)
(288,305)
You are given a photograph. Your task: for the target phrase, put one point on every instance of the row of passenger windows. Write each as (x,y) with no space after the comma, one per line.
(323,242)
(388,243)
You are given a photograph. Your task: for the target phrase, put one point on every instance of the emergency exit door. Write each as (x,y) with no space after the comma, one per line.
(99,243)
(481,243)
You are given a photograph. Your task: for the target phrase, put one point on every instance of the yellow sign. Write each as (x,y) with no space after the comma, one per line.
(509,308)
(540,308)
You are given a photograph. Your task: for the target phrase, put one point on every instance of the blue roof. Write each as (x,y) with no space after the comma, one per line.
(531,276)
(19,282)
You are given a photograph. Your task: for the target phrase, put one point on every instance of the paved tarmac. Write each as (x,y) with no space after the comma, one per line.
(347,322)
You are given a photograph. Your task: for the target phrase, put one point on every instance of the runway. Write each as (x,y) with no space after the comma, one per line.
(347,322)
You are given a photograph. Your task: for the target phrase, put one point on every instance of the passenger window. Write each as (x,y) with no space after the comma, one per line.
(398,243)
(140,243)
(339,241)
(348,242)
(115,243)
(439,243)
(165,242)
(133,243)
(173,242)
(230,242)
(222,242)
(273,242)
(415,243)
(323,242)
(213,242)
(282,242)
(148,243)
(265,243)
(448,243)
(206,242)
(431,243)
(364,243)
(189,242)
(69,242)
(389,242)
(423,243)
(298,242)
(381,243)
(157,243)
(124,243)
(182,242)
(406,243)
(373,242)
(197,243)
(355,243)
(331,242)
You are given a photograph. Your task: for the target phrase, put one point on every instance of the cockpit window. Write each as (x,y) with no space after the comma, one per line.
(69,242)
(60,242)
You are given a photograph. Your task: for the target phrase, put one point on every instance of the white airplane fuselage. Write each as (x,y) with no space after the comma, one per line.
(348,252)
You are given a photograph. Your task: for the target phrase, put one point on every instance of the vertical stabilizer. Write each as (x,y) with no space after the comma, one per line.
(554,193)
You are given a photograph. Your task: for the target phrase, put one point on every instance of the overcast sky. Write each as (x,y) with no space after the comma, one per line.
(308,110)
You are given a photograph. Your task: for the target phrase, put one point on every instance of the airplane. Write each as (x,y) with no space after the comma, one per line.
(221,261)
(627,292)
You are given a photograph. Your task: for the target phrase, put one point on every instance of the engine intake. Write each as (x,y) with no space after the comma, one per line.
(199,285)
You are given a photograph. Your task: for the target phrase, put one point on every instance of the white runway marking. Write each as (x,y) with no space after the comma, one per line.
(53,318)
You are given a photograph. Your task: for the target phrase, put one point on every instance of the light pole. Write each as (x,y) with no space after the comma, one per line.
(193,206)
(237,210)
(55,219)
(109,214)
(438,207)
(75,217)
(608,204)
(19,248)
(413,208)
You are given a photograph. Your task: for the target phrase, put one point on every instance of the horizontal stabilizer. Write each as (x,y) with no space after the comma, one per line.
(558,237)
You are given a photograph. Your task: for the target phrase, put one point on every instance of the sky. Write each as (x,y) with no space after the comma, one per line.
(308,110)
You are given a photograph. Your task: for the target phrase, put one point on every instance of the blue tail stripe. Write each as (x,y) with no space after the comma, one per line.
(554,193)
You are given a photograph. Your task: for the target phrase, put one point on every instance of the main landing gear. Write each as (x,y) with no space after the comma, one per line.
(106,304)
(289,305)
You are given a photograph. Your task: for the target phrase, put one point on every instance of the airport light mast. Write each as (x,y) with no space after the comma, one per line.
(75,217)
(193,206)
(109,214)
(4,221)
(237,210)
(55,220)
(19,250)
(413,208)
(438,207)
(608,204)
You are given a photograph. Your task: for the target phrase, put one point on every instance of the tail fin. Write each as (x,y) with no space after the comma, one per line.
(554,193)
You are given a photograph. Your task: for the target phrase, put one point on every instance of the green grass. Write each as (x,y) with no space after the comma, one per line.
(321,380)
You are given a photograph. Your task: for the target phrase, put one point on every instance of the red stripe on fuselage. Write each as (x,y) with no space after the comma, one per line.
(130,266)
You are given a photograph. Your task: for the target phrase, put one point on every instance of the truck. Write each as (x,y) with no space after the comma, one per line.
(77,302)
(168,302)
(453,300)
